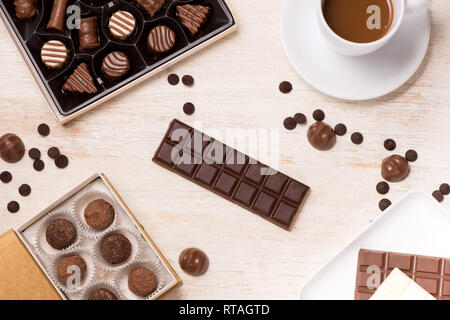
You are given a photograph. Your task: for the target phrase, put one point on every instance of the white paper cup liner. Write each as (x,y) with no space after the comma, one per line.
(136,249)
(121,278)
(82,201)
(42,247)
(101,285)
(85,282)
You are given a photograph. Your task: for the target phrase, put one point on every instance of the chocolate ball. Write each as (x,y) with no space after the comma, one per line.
(102,294)
(12,148)
(70,261)
(142,282)
(321,136)
(395,168)
(99,214)
(61,233)
(193,261)
(115,248)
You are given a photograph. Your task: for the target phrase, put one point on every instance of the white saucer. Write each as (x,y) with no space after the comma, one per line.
(351,78)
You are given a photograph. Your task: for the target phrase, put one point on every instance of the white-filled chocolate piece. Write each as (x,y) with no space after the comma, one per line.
(122,25)
(54,54)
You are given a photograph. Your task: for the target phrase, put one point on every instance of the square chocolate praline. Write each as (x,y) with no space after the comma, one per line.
(245,193)
(284,214)
(226,183)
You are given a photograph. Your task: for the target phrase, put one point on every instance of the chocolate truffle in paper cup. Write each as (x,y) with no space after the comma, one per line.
(101,291)
(60,233)
(99,214)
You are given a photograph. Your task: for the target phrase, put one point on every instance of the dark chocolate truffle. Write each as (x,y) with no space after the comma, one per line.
(115,248)
(99,214)
(161,39)
(115,65)
(193,261)
(321,136)
(142,282)
(61,233)
(65,263)
(12,148)
(395,168)
(102,294)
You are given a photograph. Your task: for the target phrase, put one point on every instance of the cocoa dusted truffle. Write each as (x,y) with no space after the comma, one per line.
(142,282)
(321,136)
(115,248)
(12,148)
(102,294)
(63,267)
(193,261)
(395,168)
(99,214)
(61,233)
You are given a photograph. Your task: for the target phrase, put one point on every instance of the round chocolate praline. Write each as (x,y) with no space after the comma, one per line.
(395,168)
(321,136)
(115,248)
(65,263)
(161,39)
(115,65)
(60,233)
(12,148)
(142,282)
(193,261)
(99,214)
(102,294)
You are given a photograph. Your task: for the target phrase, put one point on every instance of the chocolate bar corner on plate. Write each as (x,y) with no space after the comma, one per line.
(275,196)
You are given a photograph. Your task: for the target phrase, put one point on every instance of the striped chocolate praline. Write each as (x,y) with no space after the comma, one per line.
(122,25)
(115,65)
(54,54)
(161,39)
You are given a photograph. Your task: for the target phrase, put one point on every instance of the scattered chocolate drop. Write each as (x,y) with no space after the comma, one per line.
(34,153)
(285,87)
(321,136)
(5,177)
(173,79)
(189,108)
(444,189)
(38,165)
(438,196)
(43,129)
(188,80)
(193,261)
(357,138)
(13,207)
(384,204)
(319,115)
(290,123)
(340,129)
(24,190)
(61,161)
(53,152)
(389,144)
(300,118)
(411,155)
(395,168)
(12,148)
(383,187)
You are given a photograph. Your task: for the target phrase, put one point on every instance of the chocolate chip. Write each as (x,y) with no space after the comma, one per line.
(43,130)
(285,87)
(300,118)
(61,161)
(384,204)
(290,123)
(188,80)
(340,129)
(357,138)
(25,190)
(319,115)
(411,155)
(5,177)
(53,152)
(382,187)
(390,144)
(34,153)
(188,108)
(173,79)
(444,189)
(13,207)
(38,165)
(438,196)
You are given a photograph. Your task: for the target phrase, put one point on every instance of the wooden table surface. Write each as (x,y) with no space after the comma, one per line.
(236,87)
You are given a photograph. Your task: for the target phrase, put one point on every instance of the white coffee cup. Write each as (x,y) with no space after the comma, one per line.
(349,48)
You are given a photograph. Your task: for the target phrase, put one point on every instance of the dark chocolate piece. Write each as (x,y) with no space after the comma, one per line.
(53,152)
(5,177)
(285,87)
(300,118)
(61,161)
(230,174)
(38,165)
(431,273)
(357,138)
(13,207)
(438,196)
(151,6)
(115,248)
(24,190)
(99,214)
(102,294)
(390,144)
(25,9)
(395,168)
(193,261)
(43,129)
(289,123)
(34,153)
(71,261)
(122,25)
(193,16)
(87,34)
(318,115)
(444,189)
(80,81)
(340,129)
(161,39)
(60,233)
(411,155)
(115,65)
(12,148)
(384,204)
(321,136)
(173,79)
(54,54)
(57,17)
(189,108)
(188,80)
(383,187)
(142,282)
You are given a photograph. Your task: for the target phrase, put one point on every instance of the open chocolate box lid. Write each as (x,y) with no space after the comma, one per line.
(26,269)
(30,35)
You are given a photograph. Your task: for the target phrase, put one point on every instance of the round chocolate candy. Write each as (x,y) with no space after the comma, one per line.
(60,233)
(25,190)
(64,272)
(54,54)
(289,123)
(5,177)
(99,214)
(319,115)
(285,87)
(389,144)
(300,118)
(188,80)
(115,248)
(438,196)
(122,24)
(444,189)
(161,39)
(142,282)
(102,294)
(13,207)
(411,155)
(321,136)
(115,65)
(34,153)
(12,148)
(340,129)
(357,138)
(395,168)
(193,261)
(383,187)
(384,204)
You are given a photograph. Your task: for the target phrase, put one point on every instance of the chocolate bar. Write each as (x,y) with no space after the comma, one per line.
(231,174)
(431,273)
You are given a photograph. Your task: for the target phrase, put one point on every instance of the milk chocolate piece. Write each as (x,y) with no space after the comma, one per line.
(161,39)
(395,168)
(115,65)
(115,248)
(87,34)
(193,16)
(56,22)
(61,233)
(12,148)
(321,136)
(64,272)
(193,261)
(54,54)
(151,6)
(122,25)
(102,294)
(142,282)
(25,9)
(80,81)
(99,214)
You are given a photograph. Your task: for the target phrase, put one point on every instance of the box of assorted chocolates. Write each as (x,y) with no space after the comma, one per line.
(82,53)
(85,246)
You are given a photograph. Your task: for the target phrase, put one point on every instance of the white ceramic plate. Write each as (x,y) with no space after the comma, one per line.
(416,224)
(351,78)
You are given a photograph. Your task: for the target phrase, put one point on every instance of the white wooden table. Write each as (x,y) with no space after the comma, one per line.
(236,86)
